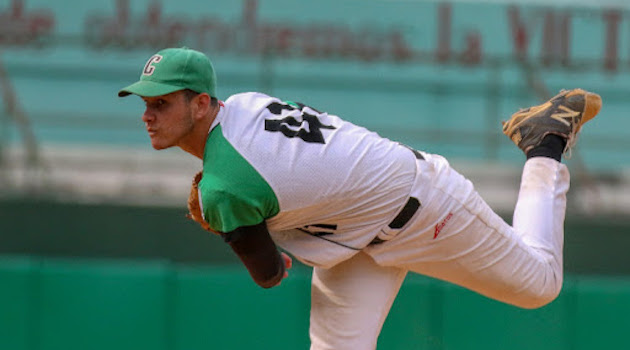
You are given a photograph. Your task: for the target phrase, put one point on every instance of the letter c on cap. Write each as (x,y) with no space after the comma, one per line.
(149,68)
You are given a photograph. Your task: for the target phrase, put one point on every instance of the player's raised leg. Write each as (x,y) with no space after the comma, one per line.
(458,238)
(350,301)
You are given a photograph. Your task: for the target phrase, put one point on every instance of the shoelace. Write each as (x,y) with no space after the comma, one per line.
(571,141)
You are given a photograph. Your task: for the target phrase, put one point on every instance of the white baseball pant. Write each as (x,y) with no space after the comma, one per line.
(455,237)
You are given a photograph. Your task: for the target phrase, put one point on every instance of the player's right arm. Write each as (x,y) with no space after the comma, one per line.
(254,246)
(237,217)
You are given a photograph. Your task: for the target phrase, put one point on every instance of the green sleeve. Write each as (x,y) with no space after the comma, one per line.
(233,193)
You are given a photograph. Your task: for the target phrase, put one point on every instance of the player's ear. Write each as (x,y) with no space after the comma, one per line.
(200,105)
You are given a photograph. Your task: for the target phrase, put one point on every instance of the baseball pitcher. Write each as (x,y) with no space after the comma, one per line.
(361,209)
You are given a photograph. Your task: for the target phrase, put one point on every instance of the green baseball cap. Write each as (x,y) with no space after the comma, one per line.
(174,69)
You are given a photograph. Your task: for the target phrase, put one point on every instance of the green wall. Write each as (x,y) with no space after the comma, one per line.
(95,276)
(50,228)
(106,304)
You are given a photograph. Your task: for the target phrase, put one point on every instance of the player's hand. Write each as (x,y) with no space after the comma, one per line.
(287,265)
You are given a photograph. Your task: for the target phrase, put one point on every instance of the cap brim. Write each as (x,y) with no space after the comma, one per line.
(147,88)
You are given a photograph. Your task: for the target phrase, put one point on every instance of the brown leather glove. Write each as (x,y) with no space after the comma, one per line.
(194,207)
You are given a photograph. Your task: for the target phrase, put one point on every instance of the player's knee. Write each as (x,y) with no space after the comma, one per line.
(539,301)
(534,299)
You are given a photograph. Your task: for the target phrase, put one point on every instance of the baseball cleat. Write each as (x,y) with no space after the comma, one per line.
(563,115)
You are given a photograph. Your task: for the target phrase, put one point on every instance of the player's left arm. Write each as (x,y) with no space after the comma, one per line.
(254,246)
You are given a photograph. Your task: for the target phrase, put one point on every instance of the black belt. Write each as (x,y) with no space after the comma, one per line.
(405,214)
(403,217)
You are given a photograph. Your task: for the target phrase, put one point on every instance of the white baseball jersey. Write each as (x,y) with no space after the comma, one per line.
(325,187)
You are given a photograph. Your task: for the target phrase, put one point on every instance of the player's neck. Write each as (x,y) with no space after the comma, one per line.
(195,143)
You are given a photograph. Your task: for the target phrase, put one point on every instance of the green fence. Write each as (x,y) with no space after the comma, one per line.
(50,228)
(79,276)
(89,304)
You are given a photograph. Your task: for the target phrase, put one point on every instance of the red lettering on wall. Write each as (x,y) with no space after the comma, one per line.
(249,36)
(555,43)
(473,51)
(565,37)
(292,37)
(123,31)
(443,52)
(400,49)
(612,19)
(25,28)
(520,38)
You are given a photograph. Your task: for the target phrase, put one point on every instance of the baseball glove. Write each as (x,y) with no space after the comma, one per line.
(194,207)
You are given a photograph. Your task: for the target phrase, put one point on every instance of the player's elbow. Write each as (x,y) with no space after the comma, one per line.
(267,283)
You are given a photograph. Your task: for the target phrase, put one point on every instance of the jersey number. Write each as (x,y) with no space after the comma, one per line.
(305,126)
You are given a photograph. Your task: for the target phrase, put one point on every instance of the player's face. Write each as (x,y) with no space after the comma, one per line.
(168,119)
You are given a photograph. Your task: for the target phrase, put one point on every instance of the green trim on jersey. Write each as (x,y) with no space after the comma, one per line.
(294,104)
(233,193)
